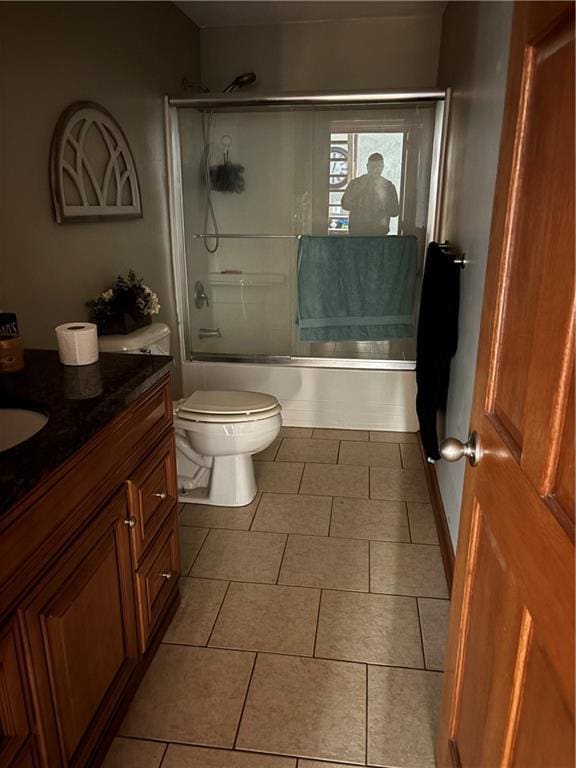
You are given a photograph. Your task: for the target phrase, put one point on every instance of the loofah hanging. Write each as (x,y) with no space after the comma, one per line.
(227,176)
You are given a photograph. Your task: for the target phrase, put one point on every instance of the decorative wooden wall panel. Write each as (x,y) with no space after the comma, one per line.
(92,171)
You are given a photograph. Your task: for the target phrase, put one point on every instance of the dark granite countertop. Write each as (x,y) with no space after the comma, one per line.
(78,400)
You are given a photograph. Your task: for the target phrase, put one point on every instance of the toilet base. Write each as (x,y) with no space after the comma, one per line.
(232,483)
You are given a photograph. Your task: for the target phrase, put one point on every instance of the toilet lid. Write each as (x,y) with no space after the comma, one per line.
(230,402)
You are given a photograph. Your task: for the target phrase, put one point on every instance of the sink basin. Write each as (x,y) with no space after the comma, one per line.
(18,424)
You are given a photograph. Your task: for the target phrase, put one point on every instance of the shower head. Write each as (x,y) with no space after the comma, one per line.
(242,81)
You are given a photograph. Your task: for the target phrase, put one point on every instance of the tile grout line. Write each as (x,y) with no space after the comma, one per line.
(366,724)
(317,624)
(408,520)
(218,614)
(200,548)
(161,763)
(255,511)
(282,559)
(245,700)
(369,567)
(331,518)
(282,654)
(316,586)
(421,634)
(330,589)
(241,751)
(317,535)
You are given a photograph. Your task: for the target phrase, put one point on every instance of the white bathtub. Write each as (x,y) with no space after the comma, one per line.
(319,397)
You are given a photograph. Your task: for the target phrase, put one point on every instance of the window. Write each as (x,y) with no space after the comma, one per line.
(349,153)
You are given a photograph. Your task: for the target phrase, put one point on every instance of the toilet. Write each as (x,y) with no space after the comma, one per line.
(217,432)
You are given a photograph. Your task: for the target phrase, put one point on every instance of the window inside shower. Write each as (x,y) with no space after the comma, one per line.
(285,171)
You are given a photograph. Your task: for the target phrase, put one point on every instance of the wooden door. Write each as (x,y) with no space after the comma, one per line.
(509,687)
(81,633)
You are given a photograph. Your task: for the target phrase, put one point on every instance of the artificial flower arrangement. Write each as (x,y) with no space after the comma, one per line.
(128,305)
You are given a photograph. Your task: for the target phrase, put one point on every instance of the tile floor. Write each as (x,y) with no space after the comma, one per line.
(312,622)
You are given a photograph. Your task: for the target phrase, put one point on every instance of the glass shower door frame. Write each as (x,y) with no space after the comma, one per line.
(178,241)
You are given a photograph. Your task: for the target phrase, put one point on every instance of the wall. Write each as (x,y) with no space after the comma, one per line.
(478,80)
(125,56)
(360,54)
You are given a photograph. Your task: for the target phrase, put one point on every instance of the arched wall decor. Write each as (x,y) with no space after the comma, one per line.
(92,171)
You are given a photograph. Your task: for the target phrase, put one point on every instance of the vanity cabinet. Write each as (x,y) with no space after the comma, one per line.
(82,621)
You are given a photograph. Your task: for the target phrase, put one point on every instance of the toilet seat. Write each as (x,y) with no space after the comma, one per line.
(228,406)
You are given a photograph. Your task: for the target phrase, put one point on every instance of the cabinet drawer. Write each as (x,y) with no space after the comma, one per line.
(157,579)
(153,494)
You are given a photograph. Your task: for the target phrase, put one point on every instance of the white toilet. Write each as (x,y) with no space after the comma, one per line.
(216,431)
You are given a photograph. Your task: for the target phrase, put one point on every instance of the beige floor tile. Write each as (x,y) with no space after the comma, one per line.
(210,516)
(341,434)
(191,695)
(306,707)
(422,524)
(191,540)
(262,617)
(411,456)
(370,454)
(134,753)
(278,477)
(269,454)
(403,711)
(398,484)
(393,437)
(369,519)
(321,764)
(376,629)
(296,432)
(316,561)
(178,756)
(434,617)
(240,556)
(200,601)
(307,449)
(407,569)
(335,480)
(291,513)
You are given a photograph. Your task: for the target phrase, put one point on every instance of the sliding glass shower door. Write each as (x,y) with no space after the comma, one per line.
(257,180)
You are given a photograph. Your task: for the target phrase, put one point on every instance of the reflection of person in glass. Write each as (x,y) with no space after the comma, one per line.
(371,199)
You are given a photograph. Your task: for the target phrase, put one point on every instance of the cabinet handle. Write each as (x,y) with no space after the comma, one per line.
(161,495)
(167,575)
(130,522)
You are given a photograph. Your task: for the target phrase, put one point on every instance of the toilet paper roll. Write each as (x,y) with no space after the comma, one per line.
(77,343)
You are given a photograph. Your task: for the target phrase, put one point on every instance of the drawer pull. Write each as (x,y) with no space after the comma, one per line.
(130,522)
(167,575)
(161,495)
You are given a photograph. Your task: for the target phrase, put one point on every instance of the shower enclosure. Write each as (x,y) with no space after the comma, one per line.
(292,159)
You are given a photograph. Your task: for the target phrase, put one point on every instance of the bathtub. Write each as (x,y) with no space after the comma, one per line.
(317,396)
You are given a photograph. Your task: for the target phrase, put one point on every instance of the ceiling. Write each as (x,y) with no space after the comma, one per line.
(238,13)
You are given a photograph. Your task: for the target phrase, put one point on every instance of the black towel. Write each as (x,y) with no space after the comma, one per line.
(436,342)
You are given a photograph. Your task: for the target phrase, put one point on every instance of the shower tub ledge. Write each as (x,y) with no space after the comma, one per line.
(318,397)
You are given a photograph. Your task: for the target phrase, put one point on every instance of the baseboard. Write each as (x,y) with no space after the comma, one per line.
(444,538)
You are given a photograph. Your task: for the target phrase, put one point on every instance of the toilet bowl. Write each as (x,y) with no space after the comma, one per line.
(217,432)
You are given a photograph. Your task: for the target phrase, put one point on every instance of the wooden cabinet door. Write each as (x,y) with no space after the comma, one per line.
(81,633)
(509,686)
(15,727)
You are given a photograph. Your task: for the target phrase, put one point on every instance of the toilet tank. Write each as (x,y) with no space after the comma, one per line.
(153,339)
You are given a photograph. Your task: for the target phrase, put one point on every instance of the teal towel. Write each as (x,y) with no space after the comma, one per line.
(356,288)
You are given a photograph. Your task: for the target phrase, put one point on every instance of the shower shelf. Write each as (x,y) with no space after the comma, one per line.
(246,278)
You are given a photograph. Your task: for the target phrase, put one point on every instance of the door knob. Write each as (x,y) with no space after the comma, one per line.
(453,449)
